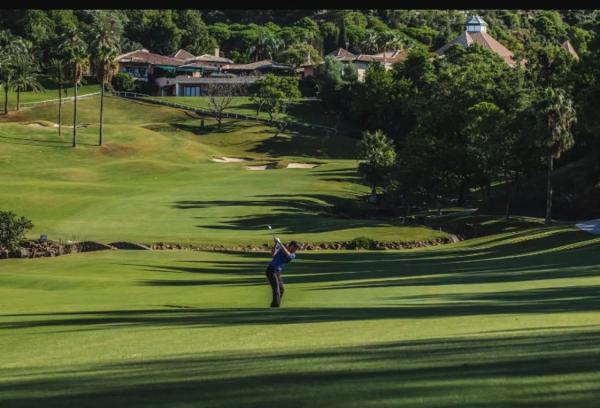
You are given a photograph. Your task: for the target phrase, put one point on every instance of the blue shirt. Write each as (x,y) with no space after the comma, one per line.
(280,259)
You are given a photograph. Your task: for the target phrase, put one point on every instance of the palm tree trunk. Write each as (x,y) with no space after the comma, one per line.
(461,193)
(509,189)
(18,99)
(75,116)
(101,115)
(549,190)
(60,109)
(5,100)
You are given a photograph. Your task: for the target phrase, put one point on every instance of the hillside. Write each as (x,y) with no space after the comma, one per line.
(154,179)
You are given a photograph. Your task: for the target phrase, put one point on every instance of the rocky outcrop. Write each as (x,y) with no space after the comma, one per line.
(304,246)
(36,249)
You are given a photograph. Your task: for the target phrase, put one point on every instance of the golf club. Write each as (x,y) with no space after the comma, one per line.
(274,239)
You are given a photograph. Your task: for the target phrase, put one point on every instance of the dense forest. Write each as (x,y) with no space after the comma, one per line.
(247,35)
(454,125)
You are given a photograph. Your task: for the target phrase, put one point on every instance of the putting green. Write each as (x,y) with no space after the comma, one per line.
(507,320)
(154,180)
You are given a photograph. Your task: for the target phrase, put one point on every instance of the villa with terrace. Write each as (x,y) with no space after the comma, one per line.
(183,74)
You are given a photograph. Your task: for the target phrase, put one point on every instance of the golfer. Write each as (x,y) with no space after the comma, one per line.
(281,255)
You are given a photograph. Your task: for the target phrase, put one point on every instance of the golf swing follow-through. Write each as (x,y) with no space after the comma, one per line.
(282,255)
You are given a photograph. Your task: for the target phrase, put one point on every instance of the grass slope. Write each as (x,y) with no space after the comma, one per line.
(506,320)
(307,111)
(47,94)
(154,180)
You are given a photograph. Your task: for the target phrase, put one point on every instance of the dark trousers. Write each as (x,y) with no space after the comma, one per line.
(276,282)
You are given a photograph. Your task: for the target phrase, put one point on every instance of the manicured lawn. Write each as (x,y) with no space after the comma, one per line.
(46,95)
(301,111)
(509,319)
(154,179)
(506,320)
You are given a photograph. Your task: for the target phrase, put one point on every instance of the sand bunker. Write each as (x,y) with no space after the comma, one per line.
(262,167)
(272,166)
(228,159)
(301,165)
(47,124)
(42,124)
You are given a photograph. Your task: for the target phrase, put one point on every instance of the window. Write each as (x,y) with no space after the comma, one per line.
(136,72)
(191,91)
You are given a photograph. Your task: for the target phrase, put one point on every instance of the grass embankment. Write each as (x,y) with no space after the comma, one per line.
(504,320)
(154,179)
(304,111)
(47,94)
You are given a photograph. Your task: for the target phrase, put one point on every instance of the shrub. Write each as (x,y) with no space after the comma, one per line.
(146,87)
(124,82)
(282,164)
(308,86)
(362,243)
(12,229)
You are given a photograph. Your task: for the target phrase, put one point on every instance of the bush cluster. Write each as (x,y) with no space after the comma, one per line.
(12,229)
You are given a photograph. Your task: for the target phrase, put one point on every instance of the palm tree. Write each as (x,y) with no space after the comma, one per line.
(106,51)
(267,43)
(75,51)
(56,70)
(6,72)
(393,43)
(8,49)
(369,44)
(555,118)
(25,76)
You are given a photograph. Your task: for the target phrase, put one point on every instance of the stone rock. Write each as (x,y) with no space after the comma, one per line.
(129,246)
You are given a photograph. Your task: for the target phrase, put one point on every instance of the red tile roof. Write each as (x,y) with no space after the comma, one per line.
(466,38)
(182,55)
(257,66)
(342,54)
(390,56)
(251,66)
(199,65)
(146,57)
(209,58)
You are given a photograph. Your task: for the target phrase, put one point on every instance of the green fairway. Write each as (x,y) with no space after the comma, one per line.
(506,320)
(154,179)
(306,111)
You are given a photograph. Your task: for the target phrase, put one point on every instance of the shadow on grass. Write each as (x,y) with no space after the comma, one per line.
(560,369)
(290,214)
(35,142)
(228,126)
(536,301)
(564,254)
(313,144)
(342,175)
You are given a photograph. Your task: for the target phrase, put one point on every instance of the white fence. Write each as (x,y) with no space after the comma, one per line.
(67,99)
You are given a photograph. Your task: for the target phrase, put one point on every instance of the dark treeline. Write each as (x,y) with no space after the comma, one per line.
(287,35)
(469,122)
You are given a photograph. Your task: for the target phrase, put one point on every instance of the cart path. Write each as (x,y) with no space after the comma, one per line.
(591,226)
